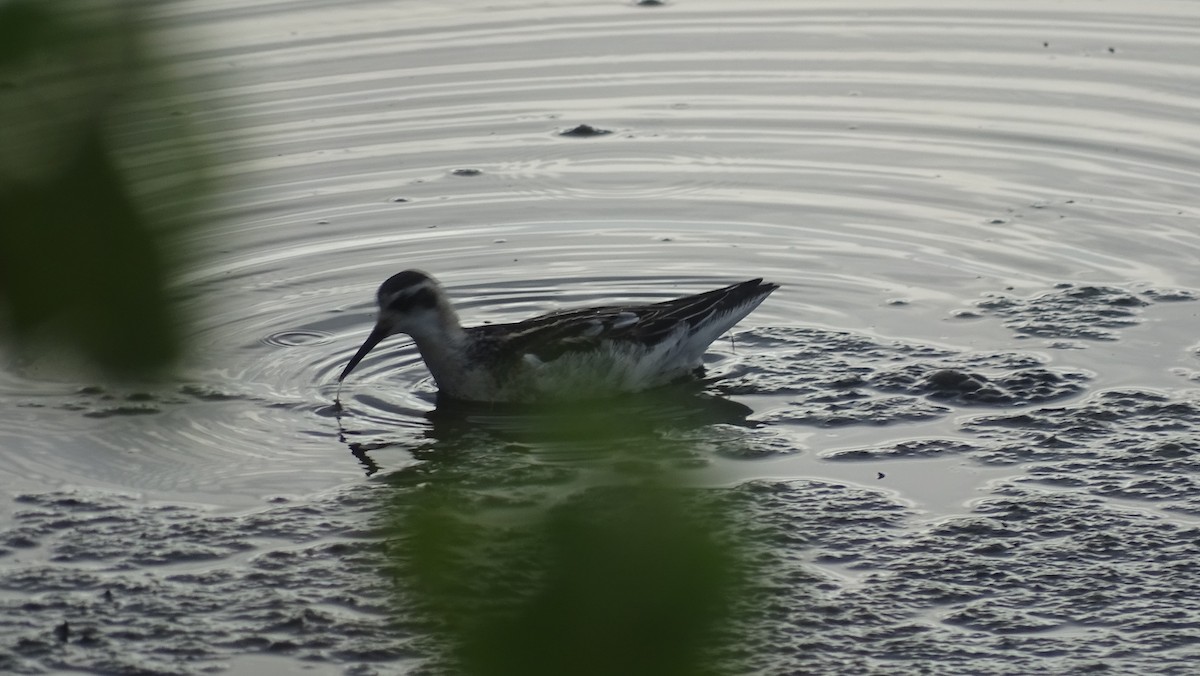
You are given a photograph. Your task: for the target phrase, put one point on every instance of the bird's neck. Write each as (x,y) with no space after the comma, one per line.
(442,344)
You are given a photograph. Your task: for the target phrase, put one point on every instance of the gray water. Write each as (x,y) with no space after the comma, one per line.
(968,419)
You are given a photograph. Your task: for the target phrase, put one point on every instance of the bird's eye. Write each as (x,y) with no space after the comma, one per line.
(419,299)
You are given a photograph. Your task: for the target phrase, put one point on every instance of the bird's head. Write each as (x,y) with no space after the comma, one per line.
(410,302)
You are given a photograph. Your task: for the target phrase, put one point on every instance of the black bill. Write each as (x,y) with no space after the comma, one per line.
(377,334)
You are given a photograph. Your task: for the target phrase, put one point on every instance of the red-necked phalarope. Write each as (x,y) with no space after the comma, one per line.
(575,354)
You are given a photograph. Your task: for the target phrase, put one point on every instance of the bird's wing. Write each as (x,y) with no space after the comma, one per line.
(550,336)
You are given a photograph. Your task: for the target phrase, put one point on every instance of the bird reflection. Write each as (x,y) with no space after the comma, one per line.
(626,425)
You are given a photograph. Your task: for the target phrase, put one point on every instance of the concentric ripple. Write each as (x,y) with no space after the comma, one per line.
(888,166)
(971,205)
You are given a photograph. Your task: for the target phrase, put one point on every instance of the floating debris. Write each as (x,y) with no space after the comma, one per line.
(584,131)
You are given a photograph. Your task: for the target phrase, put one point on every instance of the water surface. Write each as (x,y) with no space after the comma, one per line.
(970,411)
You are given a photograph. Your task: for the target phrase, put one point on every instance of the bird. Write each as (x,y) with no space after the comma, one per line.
(571,354)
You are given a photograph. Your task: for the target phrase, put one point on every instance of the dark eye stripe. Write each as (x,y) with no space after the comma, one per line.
(423,298)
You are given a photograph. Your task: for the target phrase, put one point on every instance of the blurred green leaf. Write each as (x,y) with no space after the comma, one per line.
(619,580)
(624,573)
(85,244)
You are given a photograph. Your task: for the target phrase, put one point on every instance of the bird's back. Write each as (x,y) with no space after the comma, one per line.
(620,348)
